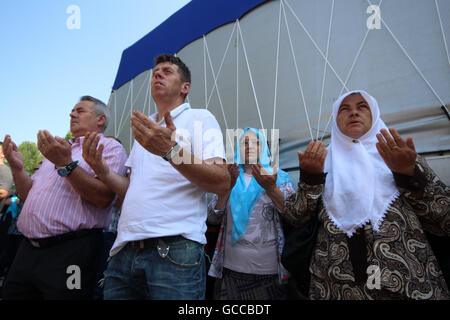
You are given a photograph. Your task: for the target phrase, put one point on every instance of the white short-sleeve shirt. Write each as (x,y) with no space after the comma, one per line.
(160,201)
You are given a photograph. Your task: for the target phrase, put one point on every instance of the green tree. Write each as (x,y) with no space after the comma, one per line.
(31,156)
(69,135)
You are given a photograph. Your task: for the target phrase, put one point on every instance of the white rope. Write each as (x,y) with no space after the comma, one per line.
(152,102)
(215,86)
(296,70)
(237,80)
(146,93)
(143,83)
(150,98)
(250,74)
(410,59)
(442,30)
(276,69)
(312,40)
(115,114)
(325,70)
(150,106)
(131,108)
(314,43)
(221,63)
(358,53)
(204,69)
(124,107)
(217,89)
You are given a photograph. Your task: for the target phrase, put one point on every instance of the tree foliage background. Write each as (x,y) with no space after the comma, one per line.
(68,136)
(31,156)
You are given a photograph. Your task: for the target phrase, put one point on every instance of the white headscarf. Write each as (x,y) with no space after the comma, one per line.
(359,186)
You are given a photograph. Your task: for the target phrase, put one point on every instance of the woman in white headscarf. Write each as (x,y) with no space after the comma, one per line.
(373,197)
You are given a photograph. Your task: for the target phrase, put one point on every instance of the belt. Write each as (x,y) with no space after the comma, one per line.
(151,242)
(51,241)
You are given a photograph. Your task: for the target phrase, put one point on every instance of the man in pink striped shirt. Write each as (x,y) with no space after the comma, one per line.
(66,207)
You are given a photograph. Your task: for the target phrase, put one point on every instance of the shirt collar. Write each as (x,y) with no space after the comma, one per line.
(79,140)
(174,113)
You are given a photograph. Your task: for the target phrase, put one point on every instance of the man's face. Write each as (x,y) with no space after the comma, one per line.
(250,147)
(167,83)
(354,117)
(83,119)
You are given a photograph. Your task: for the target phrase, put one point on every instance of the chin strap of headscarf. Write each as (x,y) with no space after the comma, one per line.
(359,187)
(243,198)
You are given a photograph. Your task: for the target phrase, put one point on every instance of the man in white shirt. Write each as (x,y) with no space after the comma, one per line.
(177,157)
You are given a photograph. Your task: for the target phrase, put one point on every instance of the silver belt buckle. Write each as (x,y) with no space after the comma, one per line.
(163,248)
(35,243)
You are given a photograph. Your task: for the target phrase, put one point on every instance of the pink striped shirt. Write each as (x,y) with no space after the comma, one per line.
(53,207)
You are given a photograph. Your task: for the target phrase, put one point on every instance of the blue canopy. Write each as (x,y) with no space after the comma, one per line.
(191,22)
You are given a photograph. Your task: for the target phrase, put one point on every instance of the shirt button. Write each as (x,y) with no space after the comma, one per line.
(355,141)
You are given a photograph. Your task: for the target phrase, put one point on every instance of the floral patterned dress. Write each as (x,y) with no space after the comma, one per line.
(400,251)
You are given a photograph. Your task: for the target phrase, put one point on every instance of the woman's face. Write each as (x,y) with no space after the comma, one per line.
(354,117)
(250,147)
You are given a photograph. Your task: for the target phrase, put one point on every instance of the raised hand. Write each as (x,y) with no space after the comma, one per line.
(55,149)
(93,155)
(313,159)
(265,180)
(398,154)
(154,138)
(12,154)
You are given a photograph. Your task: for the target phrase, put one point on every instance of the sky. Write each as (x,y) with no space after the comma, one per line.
(47,63)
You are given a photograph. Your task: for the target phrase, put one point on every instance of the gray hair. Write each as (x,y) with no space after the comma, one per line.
(100,108)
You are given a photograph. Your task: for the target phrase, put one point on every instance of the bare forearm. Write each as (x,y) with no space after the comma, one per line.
(205,176)
(222,201)
(211,177)
(90,188)
(277,198)
(3,193)
(23,183)
(117,183)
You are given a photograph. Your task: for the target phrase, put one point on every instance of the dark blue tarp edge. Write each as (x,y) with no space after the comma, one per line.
(191,22)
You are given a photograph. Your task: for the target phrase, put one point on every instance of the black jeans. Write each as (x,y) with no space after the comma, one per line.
(108,241)
(63,271)
(12,244)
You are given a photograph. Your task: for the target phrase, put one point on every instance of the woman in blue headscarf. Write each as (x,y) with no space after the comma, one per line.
(247,255)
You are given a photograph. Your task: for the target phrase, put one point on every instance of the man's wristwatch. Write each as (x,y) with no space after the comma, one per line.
(219,211)
(172,152)
(66,170)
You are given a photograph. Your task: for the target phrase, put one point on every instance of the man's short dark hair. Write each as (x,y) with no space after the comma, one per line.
(183,70)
